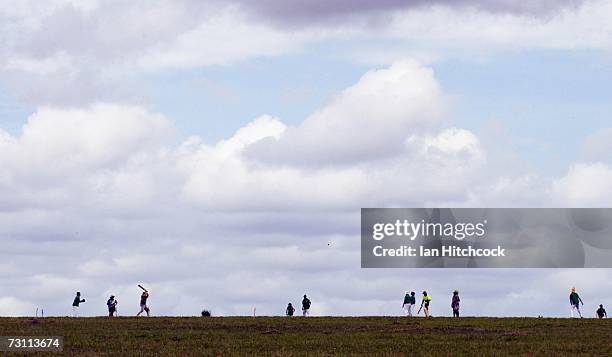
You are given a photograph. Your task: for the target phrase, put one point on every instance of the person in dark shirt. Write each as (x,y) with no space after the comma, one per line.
(601,312)
(290,310)
(409,302)
(111,303)
(143,302)
(75,304)
(575,302)
(455,303)
(305,306)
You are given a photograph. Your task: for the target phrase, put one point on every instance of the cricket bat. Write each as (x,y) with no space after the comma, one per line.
(140,286)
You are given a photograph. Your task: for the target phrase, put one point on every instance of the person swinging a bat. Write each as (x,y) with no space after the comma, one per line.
(143,301)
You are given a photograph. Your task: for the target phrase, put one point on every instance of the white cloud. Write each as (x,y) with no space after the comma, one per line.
(366,121)
(471,33)
(58,62)
(113,158)
(225,38)
(106,49)
(458,143)
(598,146)
(106,201)
(585,185)
(11,306)
(377,137)
(105,182)
(57,142)
(63,153)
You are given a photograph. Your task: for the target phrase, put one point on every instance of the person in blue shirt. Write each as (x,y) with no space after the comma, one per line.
(111,303)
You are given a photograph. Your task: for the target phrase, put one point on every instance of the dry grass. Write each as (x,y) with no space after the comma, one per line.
(281,336)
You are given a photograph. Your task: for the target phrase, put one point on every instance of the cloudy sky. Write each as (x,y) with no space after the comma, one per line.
(219,152)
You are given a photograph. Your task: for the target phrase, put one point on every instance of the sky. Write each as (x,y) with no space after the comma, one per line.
(219,152)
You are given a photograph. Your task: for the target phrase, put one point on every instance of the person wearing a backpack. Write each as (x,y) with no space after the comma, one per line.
(305,306)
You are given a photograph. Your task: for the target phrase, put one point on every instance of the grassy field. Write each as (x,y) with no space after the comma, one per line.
(321,335)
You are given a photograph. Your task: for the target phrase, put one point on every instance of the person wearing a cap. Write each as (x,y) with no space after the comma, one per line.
(111,303)
(409,302)
(425,304)
(575,302)
(455,303)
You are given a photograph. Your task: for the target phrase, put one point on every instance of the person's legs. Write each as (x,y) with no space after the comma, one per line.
(455,313)
(75,311)
(572,311)
(147,310)
(426,311)
(410,310)
(142,309)
(578,309)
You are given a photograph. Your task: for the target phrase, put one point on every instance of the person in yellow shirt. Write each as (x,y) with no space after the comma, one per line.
(425,304)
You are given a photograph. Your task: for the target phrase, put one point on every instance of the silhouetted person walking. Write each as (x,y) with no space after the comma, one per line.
(455,303)
(305,306)
(601,312)
(290,310)
(111,303)
(75,304)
